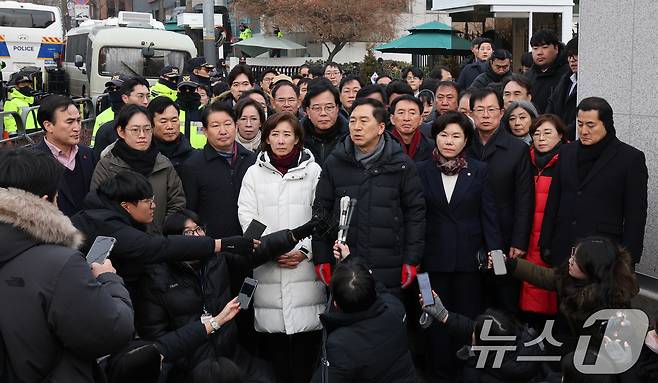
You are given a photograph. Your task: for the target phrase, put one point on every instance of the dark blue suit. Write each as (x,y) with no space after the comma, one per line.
(455,232)
(67,201)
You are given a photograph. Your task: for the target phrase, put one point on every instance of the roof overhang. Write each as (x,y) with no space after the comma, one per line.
(459,6)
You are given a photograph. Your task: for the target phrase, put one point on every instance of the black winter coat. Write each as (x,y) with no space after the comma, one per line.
(322,145)
(178,153)
(212,187)
(470,73)
(489,78)
(105,136)
(56,318)
(368,346)
(510,175)
(425,148)
(543,82)
(456,231)
(134,248)
(610,201)
(564,105)
(388,226)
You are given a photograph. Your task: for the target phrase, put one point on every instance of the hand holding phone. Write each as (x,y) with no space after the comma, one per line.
(247,292)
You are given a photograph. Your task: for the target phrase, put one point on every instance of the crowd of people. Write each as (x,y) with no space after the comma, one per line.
(444,173)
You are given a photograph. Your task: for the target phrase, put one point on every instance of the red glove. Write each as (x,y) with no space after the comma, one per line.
(408,275)
(323,270)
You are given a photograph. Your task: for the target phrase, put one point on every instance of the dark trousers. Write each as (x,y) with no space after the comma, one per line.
(501,292)
(460,293)
(295,357)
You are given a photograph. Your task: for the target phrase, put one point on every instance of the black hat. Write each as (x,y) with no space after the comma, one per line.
(170,71)
(23,78)
(198,62)
(185,81)
(117,80)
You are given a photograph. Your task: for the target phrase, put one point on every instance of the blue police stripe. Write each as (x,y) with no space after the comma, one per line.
(47,50)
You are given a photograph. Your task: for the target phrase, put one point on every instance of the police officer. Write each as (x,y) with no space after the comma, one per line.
(166,85)
(245,32)
(189,116)
(20,96)
(114,96)
(200,71)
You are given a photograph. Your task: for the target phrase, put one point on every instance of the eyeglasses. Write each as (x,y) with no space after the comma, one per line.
(285,101)
(490,111)
(327,108)
(199,230)
(572,57)
(332,73)
(137,131)
(148,201)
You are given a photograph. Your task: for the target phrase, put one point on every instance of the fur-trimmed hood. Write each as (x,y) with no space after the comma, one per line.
(32,220)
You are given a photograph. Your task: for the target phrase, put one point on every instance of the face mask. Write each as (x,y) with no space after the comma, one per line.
(115,98)
(651,341)
(189,98)
(26,91)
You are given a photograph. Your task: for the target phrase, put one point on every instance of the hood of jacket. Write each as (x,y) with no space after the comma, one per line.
(495,77)
(34,221)
(263,160)
(392,155)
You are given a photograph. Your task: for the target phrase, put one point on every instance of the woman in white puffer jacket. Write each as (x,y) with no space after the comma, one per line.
(278,190)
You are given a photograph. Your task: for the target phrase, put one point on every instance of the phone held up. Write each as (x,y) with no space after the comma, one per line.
(425,288)
(100,249)
(247,292)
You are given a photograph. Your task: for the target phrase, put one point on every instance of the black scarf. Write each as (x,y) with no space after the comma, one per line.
(189,100)
(169,84)
(140,161)
(168,149)
(542,159)
(587,155)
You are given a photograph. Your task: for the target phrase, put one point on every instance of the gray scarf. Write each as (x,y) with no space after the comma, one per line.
(369,159)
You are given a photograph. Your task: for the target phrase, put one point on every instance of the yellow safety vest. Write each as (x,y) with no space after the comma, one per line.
(197,137)
(103,117)
(15,103)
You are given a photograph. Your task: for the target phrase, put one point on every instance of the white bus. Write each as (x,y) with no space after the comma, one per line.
(30,35)
(133,44)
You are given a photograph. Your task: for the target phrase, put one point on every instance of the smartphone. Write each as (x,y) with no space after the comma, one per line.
(498,259)
(247,292)
(100,249)
(425,289)
(254,230)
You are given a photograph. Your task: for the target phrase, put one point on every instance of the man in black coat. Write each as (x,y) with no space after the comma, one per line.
(549,67)
(563,99)
(511,178)
(49,293)
(166,131)
(406,119)
(323,126)
(470,72)
(499,68)
(388,225)
(212,177)
(60,118)
(599,188)
(366,332)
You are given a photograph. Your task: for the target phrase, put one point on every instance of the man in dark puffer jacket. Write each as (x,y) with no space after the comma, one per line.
(388,225)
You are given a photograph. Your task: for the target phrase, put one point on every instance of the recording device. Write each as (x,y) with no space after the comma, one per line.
(254,230)
(425,288)
(100,249)
(347,206)
(498,259)
(247,292)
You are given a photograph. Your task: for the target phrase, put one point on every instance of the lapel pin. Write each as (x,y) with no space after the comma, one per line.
(468,174)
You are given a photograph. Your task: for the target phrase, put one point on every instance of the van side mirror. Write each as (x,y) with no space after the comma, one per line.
(79,61)
(2,65)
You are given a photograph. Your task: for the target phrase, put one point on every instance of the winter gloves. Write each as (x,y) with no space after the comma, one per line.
(436,311)
(238,245)
(323,271)
(408,275)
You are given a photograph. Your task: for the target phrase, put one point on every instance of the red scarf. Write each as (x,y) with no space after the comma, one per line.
(285,163)
(413,146)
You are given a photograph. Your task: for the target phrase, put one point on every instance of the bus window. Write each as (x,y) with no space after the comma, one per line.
(131,62)
(26,18)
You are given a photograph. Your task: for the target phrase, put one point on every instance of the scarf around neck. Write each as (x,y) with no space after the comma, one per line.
(285,163)
(140,161)
(413,146)
(368,159)
(449,167)
(252,144)
(587,155)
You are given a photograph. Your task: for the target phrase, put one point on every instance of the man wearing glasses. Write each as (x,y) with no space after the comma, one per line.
(511,178)
(323,127)
(564,96)
(134,90)
(334,73)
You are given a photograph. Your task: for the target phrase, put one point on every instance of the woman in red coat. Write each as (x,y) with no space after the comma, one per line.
(548,133)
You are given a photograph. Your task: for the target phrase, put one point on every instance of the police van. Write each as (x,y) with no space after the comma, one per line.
(30,35)
(133,44)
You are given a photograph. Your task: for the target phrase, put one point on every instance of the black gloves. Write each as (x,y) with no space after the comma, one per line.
(306,230)
(276,244)
(238,244)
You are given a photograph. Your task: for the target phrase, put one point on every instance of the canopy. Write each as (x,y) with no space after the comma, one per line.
(262,43)
(428,39)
